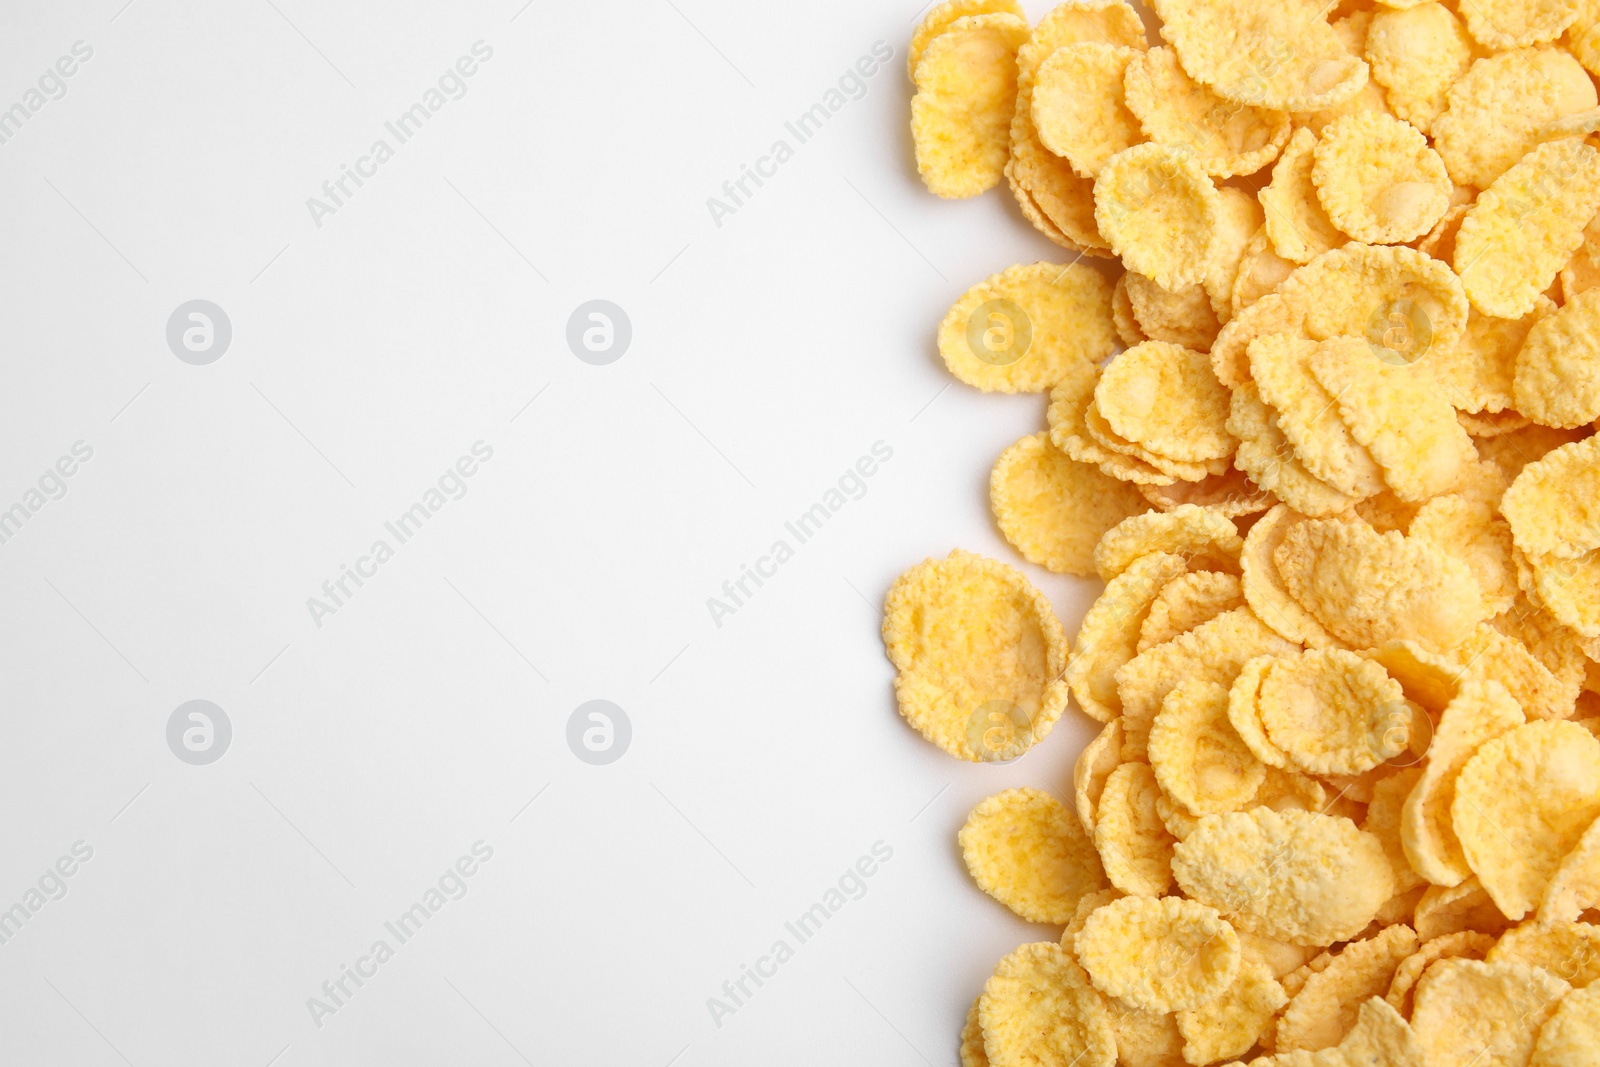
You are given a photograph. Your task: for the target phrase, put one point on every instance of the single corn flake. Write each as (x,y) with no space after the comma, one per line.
(940,18)
(1068,416)
(1326,1008)
(1054,509)
(1206,537)
(1462,945)
(1109,635)
(1384,815)
(1378,180)
(1570,590)
(1229,1025)
(1298,225)
(1197,756)
(971,1046)
(961,114)
(1334,712)
(1225,137)
(1025,849)
(1263,587)
(1261,270)
(1159,955)
(1445,910)
(1502,24)
(1039,1010)
(1470,531)
(1159,211)
(1472,1014)
(1542,694)
(1134,845)
(1166,398)
(1182,318)
(1416,54)
(1571,1037)
(1568,950)
(1244,713)
(1186,602)
(1094,765)
(1028,327)
(1557,379)
(1478,375)
(1078,105)
(1575,888)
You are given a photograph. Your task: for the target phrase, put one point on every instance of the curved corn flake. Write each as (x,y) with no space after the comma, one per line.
(1070,399)
(1570,590)
(1244,713)
(1028,327)
(1186,602)
(1582,272)
(961,114)
(1296,221)
(1473,1013)
(1094,765)
(1333,712)
(1201,535)
(1232,494)
(940,18)
(1461,945)
(1368,588)
(1381,1036)
(1540,692)
(1522,803)
(1264,590)
(1110,632)
(1039,1010)
(1261,270)
(1502,24)
(1282,56)
(1512,452)
(1226,138)
(1160,213)
(1240,219)
(1127,323)
(1078,106)
(1175,817)
(1546,639)
(1267,457)
(1575,888)
(1525,227)
(1445,910)
(1383,822)
(1102,434)
(1428,679)
(971,1046)
(967,634)
(1557,379)
(1478,374)
(1135,848)
(1571,1036)
(1180,318)
(1197,756)
(1470,531)
(1159,955)
(1165,398)
(1294,876)
(1494,111)
(1091,903)
(1396,412)
(1229,1025)
(1326,1008)
(1144,1038)
(1025,849)
(1568,950)
(1308,415)
(1054,509)
(1378,180)
(1416,55)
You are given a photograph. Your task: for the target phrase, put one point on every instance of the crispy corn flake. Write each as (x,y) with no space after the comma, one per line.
(1570,590)
(1078,105)
(1090,904)
(1583,36)
(1226,138)
(1160,213)
(1378,180)
(1582,271)
(1028,327)
(1261,270)
(1381,1036)
(1094,765)
(1039,1010)
(1135,848)
(1568,950)
(1571,1037)
(1054,509)
(1383,822)
(1427,678)
(1327,1006)
(971,1044)
(1229,1025)
(1267,457)
(1296,221)
(1295,876)
(1478,374)
(1240,219)
(1541,693)
(1334,712)
(1232,494)
(1025,849)
(1101,433)
(1494,111)
(1416,55)
(1558,369)
(966,634)
(1526,226)
(1159,955)
(1461,945)
(1522,802)
(939,19)
(1070,400)
(1181,318)
(1264,590)
(1445,910)
(1186,602)
(1575,888)
(1127,323)
(1501,24)
(1207,538)
(961,114)
(1308,415)
(1283,56)
(1473,1013)
(1482,711)
(1470,531)
(1109,635)
(1198,758)
(1244,713)
(1144,1038)
(1165,398)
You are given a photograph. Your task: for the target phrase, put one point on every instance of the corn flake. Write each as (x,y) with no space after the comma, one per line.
(1308,415)
(1461,945)
(1028,327)
(1296,221)
(1571,1037)
(1186,602)
(1473,1013)
(1181,318)
(1110,632)
(1078,107)
(1095,763)
(1502,24)
(961,114)
(1575,888)
(1326,1008)
(1039,1010)
(1054,509)
(1226,138)
(1568,950)
(1416,55)
(1378,180)
(1334,712)
(1159,955)
(1198,758)
(1160,213)
(1165,398)
(1135,848)
(939,19)
(1206,537)
(1557,379)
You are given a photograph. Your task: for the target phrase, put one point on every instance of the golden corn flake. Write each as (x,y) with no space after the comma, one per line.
(1166,398)
(1159,955)
(939,19)
(1100,431)
(1110,632)
(1078,106)
(968,634)
(1264,590)
(1293,875)
(1428,679)
(1383,822)
(1378,180)
(1502,24)
(1160,213)
(1025,849)
(1296,221)
(1039,1010)
(1231,1024)
(1226,138)
(1261,270)
(1478,374)
(1095,763)
(1541,693)
(1232,494)
(1494,111)
(1127,323)
(971,1048)
(1202,535)
(1471,1014)
(1334,712)
(1326,1008)
(1070,400)
(1135,848)
(1416,55)
(1571,1037)
(1267,457)
(1182,318)
(1526,226)
(1381,1036)
(1445,910)
(1570,590)
(1461,945)
(1028,327)
(1186,602)
(961,114)
(1470,531)
(1522,802)
(1308,415)
(1557,375)
(1575,888)
(1144,1038)
(1054,509)
(1198,758)
(1568,950)
(1244,713)
(1239,220)
(1482,711)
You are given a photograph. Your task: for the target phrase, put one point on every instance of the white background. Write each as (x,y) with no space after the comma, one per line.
(768,354)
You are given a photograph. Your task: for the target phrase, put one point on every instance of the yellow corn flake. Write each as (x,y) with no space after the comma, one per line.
(1541,693)
(1039,1010)
(1583,36)
(1110,632)
(1159,955)
(971,1047)
(1240,219)
(1570,590)
(1397,413)
(1166,398)
(1180,318)
(1416,55)
(1127,323)
(1557,375)
(1261,270)
(1091,903)
(1282,56)
(1244,713)
(1295,876)
(1231,1024)
(1551,643)
(1054,509)
(1461,945)
(1478,374)
(1470,1014)
(1186,602)
(1526,226)
(1226,138)
(1571,1037)
(1135,848)
(1470,531)
(1383,822)
(1198,758)
(1070,400)
(1381,1036)
(1101,433)
(1514,451)
(1427,678)
(1582,272)
(1308,415)
(1296,221)
(940,18)
(1326,1008)
(1206,537)
(968,635)
(1078,105)
(1025,849)
(1028,327)
(1378,180)
(1445,910)
(1494,111)
(1144,1038)
(1263,587)
(1522,802)
(1568,950)
(1482,711)
(1267,457)
(1368,588)
(1095,763)
(961,114)
(1333,712)
(1160,213)
(1502,24)
(1441,240)
(1575,888)
(1232,494)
